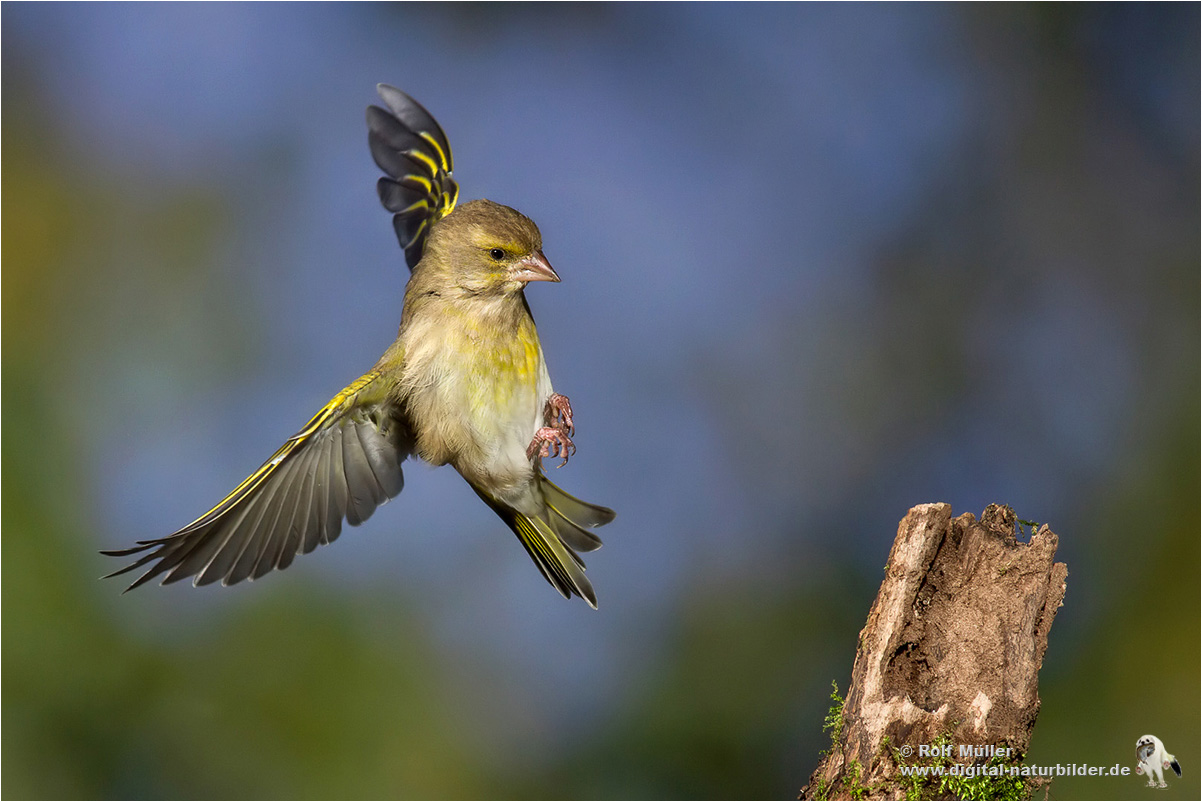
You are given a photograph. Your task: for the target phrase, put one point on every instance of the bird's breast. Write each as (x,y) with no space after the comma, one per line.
(477,396)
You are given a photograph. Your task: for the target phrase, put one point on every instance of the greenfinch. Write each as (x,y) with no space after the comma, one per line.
(464,384)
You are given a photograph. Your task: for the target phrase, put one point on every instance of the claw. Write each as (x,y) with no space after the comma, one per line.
(549,442)
(554,439)
(558,413)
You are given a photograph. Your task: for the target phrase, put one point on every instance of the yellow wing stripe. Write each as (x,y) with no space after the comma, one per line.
(433,143)
(424,183)
(265,470)
(418,156)
(337,401)
(446,200)
(421,204)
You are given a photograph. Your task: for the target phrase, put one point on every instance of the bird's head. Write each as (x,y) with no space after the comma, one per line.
(1145,747)
(484,248)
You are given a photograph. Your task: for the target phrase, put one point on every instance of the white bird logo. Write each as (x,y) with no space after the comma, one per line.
(1153,760)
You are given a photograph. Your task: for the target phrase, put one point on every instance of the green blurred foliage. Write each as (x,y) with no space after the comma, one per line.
(1133,672)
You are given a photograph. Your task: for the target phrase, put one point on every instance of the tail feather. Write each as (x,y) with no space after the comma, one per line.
(569,517)
(562,567)
(580,513)
(553,537)
(570,533)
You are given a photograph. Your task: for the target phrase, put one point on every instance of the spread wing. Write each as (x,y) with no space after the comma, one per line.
(409,145)
(344,463)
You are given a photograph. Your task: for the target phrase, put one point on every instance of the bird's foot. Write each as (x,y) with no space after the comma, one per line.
(551,442)
(558,414)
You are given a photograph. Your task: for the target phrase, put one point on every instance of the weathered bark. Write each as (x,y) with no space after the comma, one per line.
(951,651)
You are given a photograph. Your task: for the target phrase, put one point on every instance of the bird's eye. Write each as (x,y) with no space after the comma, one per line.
(497,254)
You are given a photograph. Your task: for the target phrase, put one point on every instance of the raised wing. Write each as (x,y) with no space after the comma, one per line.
(344,463)
(409,145)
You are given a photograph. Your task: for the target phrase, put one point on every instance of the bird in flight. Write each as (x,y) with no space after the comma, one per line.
(465,384)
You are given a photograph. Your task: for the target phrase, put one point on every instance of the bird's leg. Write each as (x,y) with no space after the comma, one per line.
(554,439)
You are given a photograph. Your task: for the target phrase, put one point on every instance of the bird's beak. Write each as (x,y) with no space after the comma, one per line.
(534,267)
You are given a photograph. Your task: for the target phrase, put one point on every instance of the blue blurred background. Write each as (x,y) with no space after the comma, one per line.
(820,264)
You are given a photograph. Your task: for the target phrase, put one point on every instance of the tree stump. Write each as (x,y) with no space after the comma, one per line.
(949,658)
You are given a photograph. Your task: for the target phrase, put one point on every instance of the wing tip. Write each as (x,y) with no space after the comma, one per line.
(429,142)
